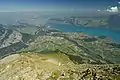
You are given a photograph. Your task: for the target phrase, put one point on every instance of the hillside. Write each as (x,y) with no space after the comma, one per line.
(53,66)
(12,40)
(95,50)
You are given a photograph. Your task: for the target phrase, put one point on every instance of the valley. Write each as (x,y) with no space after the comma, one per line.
(42,52)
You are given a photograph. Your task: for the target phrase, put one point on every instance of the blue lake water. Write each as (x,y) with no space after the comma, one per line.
(92,31)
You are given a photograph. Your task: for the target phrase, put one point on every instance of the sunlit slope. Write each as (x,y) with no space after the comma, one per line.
(52,66)
(33,66)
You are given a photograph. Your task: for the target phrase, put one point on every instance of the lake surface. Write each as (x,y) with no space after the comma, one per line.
(92,31)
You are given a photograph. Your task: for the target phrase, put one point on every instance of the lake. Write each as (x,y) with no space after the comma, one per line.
(92,31)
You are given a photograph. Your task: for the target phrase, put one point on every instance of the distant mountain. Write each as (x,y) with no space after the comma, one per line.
(110,21)
(114,21)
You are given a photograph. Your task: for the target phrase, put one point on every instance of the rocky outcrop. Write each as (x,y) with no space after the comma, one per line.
(9,37)
(12,40)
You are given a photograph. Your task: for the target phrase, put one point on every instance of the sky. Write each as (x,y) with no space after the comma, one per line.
(59,5)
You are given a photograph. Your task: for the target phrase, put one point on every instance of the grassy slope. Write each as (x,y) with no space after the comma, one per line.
(52,66)
(88,52)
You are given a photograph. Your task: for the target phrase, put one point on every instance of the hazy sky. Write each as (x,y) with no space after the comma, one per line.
(56,5)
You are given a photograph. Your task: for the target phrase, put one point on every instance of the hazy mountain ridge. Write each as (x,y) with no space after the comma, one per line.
(114,21)
(109,21)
